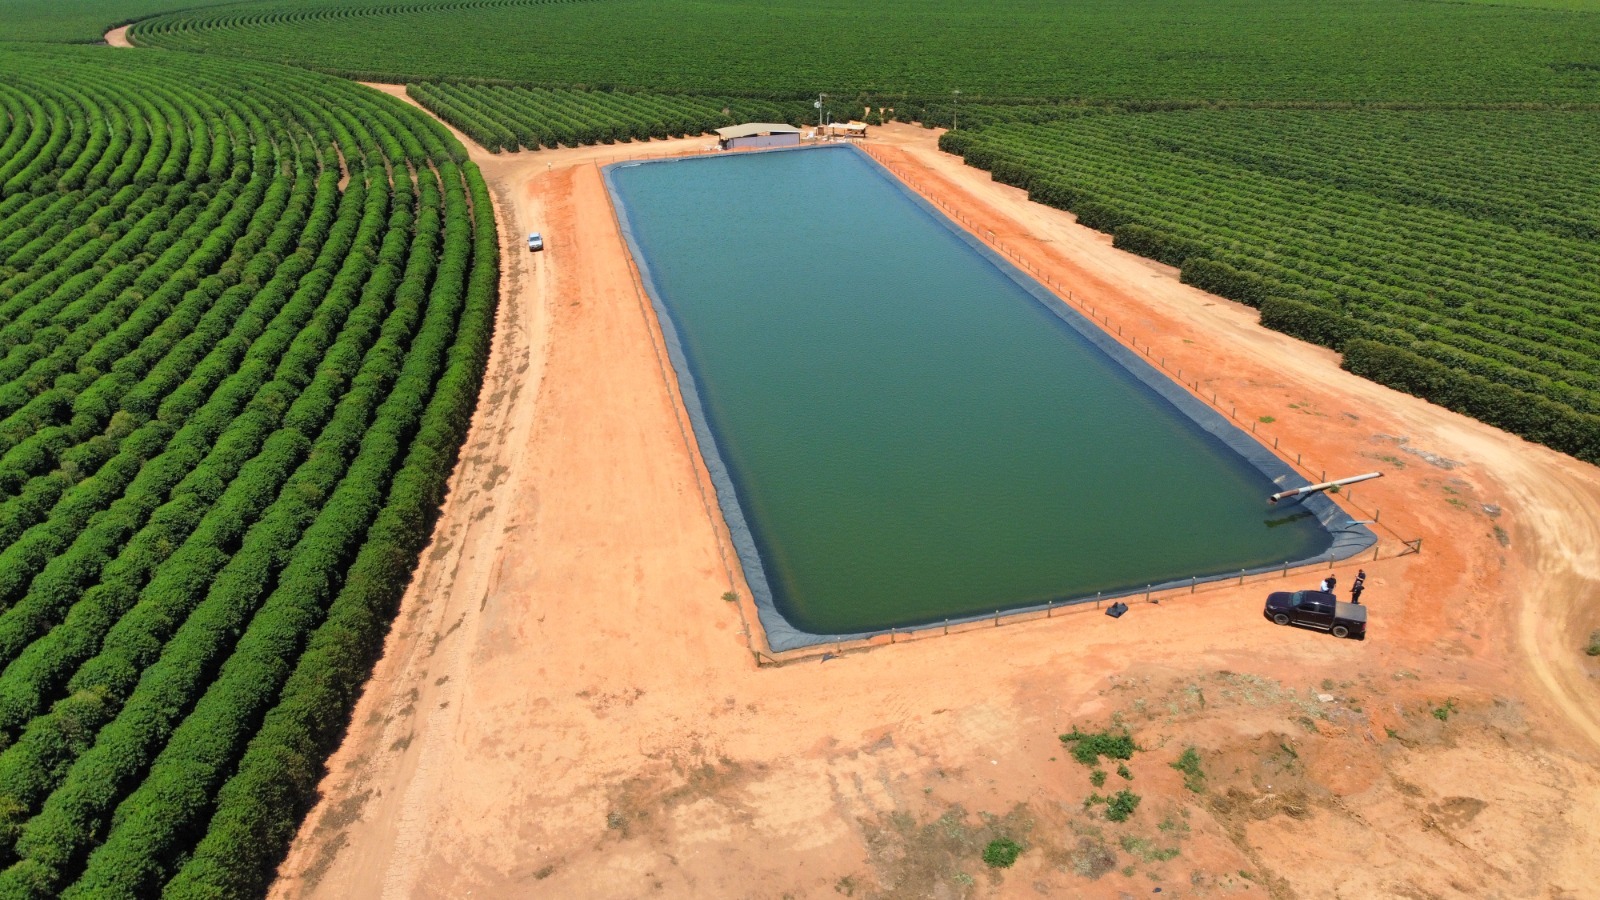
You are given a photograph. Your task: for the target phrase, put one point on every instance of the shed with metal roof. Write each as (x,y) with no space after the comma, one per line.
(757,134)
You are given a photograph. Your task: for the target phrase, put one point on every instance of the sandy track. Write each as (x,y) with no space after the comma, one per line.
(118,37)
(565,708)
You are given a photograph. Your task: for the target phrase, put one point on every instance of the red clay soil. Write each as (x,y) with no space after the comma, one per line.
(567,708)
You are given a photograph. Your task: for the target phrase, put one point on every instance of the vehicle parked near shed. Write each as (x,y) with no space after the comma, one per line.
(1320,610)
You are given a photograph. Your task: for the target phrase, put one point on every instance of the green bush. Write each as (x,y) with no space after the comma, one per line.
(1308,322)
(1121,805)
(1533,417)
(1223,280)
(1001,853)
(1152,243)
(1088,747)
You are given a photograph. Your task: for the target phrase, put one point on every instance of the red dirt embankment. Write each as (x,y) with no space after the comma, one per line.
(567,708)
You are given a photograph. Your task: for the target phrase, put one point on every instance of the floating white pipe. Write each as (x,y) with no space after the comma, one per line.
(1313,488)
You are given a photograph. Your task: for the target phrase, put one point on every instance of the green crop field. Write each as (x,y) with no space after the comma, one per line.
(1415,241)
(511,118)
(244,312)
(1127,49)
(78,21)
(245,307)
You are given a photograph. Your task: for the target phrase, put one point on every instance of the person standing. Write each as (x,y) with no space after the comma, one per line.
(1332,584)
(1359,586)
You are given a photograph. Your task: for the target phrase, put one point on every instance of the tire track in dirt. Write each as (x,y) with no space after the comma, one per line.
(477,558)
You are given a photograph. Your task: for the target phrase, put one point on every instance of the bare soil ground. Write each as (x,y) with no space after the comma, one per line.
(566,707)
(118,37)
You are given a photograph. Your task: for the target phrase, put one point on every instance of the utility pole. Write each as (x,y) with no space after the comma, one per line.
(955,113)
(818,104)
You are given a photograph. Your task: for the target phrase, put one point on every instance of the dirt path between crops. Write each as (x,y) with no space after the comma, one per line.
(566,708)
(118,37)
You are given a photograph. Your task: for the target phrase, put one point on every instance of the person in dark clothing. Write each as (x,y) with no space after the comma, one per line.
(1355,592)
(1332,584)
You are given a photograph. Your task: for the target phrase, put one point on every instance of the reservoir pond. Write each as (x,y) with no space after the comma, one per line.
(903,428)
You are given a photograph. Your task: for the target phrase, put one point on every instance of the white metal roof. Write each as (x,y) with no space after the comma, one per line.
(751,129)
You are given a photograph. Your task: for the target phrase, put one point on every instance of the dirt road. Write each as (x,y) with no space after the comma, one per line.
(566,707)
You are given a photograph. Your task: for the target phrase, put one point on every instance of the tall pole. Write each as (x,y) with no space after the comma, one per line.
(955,113)
(820,98)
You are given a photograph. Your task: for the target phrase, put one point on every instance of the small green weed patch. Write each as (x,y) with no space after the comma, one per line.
(1001,853)
(1194,777)
(1088,747)
(1119,806)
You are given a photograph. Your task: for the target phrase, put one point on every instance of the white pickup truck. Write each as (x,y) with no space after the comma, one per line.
(535,242)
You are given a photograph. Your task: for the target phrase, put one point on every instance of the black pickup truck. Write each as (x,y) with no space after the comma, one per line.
(1318,609)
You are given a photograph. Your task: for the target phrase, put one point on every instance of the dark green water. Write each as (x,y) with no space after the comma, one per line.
(910,434)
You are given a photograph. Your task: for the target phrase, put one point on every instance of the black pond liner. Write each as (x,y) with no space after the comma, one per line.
(1348,537)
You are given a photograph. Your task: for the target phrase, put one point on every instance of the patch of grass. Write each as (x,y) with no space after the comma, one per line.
(1267,420)
(1001,853)
(730,596)
(1327,684)
(1093,858)
(1147,850)
(1594,643)
(1098,777)
(1088,747)
(1194,777)
(1122,769)
(1129,871)
(1443,711)
(1173,827)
